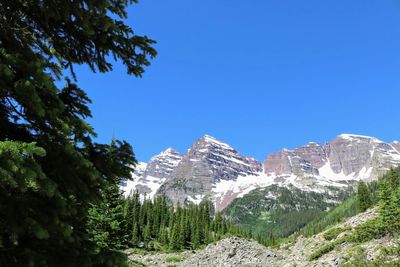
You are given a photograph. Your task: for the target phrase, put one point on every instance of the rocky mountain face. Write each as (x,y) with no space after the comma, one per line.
(148,178)
(207,163)
(396,145)
(217,171)
(345,158)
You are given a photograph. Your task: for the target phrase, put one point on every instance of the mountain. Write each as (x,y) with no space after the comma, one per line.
(396,145)
(214,170)
(207,164)
(148,178)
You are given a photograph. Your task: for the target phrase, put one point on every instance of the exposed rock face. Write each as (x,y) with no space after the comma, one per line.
(208,161)
(289,162)
(346,157)
(149,177)
(215,170)
(163,164)
(396,145)
(313,153)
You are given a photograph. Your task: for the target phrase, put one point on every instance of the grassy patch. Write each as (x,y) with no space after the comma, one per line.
(174,258)
(334,232)
(326,248)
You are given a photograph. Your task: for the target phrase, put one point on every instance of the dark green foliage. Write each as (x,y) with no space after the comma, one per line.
(51,171)
(368,230)
(345,210)
(278,211)
(326,248)
(105,219)
(388,220)
(334,232)
(364,200)
(389,209)
(188,227)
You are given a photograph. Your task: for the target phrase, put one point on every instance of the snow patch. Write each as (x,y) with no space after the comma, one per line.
(196,199)
(327,172)
(356,136)
(242,185)
(213,140)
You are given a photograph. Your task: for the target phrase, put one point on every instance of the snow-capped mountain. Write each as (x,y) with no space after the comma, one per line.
(148,178)
(207,163)
(215,170)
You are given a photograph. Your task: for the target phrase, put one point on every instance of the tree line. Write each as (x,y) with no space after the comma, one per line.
(137,221)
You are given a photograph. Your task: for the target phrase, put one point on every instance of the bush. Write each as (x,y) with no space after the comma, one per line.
(334,232)
(326,249)
(369,230)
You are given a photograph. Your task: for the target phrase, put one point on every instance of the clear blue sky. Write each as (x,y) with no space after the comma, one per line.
(260,75)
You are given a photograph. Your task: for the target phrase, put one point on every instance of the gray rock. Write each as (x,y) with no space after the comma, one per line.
(207,162)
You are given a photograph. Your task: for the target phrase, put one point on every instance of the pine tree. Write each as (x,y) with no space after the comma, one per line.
(127,223)
(58,171)
(147,233)
(163,236)
(390,200)
(174,239)
(363,197)
(135,238)
(196,235)
(105,220)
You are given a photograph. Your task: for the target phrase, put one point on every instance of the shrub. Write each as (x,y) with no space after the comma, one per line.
(334,232)
(369,230)
(326,249)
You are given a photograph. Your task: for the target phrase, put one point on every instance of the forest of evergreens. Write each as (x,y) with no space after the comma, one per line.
(135,221)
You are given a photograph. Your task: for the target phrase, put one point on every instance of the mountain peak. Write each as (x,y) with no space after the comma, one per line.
(214,141)
(355,136)
(169,151)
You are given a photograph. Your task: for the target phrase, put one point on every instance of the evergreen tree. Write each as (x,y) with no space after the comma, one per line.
(57,170)
(105,219)
(135,238)
(147,233)
(174,239)
(163,236)
(363,197)
(390,200)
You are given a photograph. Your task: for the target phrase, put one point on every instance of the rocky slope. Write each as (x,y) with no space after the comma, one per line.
(217,171)
(235,251)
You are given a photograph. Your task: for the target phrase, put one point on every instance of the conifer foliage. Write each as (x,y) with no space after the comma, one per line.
(51,170)
(364,200)
(149,224)
(389,208)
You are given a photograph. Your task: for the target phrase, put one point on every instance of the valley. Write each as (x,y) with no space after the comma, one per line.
(273,199)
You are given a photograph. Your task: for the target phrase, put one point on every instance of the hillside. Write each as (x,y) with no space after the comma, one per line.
(343,236)
(234,251)
(280,211)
